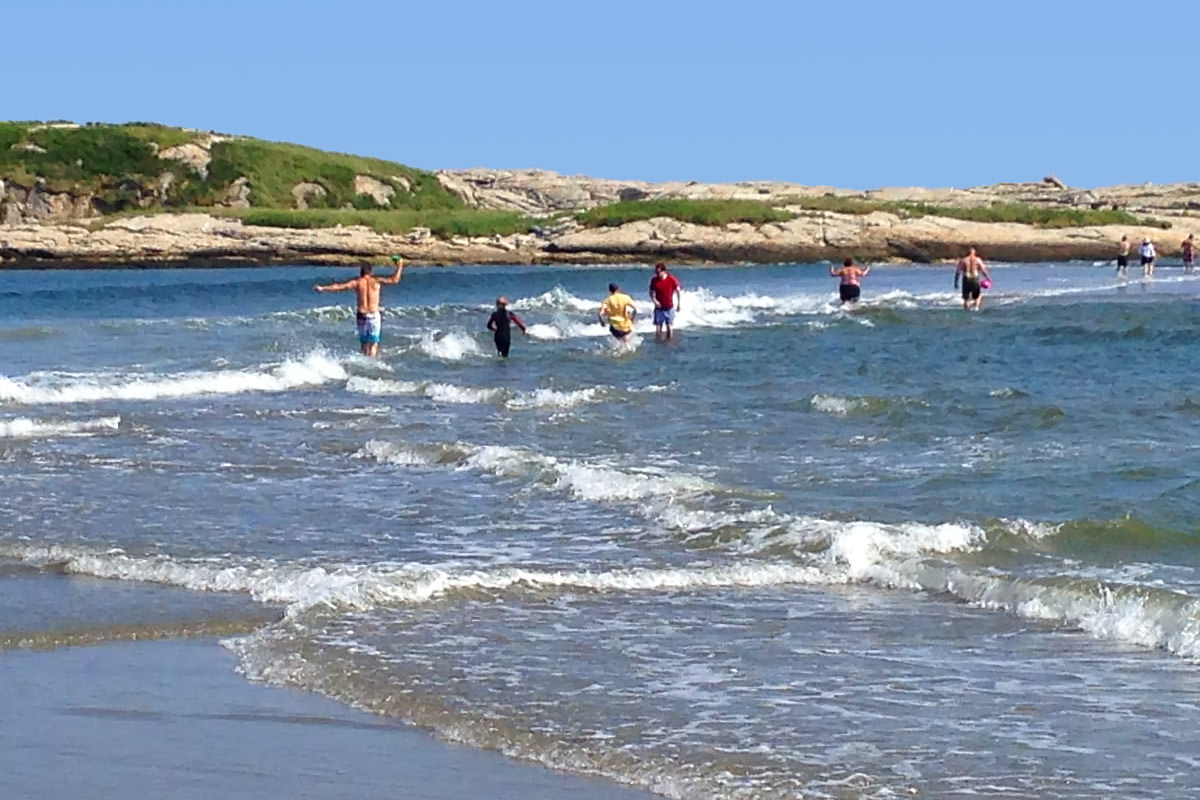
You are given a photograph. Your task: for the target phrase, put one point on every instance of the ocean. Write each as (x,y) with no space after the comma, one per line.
(796,551)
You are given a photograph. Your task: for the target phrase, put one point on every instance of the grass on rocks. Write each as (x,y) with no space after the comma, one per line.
(698,212)
(274,168)
(1023,213)
(119,166)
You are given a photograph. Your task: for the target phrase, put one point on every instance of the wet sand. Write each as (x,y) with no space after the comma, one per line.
(172,719)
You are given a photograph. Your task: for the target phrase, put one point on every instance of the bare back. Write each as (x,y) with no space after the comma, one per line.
(971,267)
(851,275)
(367,289)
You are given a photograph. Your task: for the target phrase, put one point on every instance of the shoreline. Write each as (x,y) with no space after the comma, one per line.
(202,241)
(171,718)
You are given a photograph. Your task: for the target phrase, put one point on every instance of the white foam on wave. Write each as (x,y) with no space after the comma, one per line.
(452,346)
(381,387)
(836,405)
(596,483)
(25,428)
(557,299)
(357,587)
(553,399)
(314,369)
(449,393)
(566,328)
(1151,618)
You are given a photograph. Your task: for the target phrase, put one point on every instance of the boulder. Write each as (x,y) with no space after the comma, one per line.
(236,195)
(376,189)
(303,192)
(192,154)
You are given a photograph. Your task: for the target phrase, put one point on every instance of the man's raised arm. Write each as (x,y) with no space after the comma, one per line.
(395,277)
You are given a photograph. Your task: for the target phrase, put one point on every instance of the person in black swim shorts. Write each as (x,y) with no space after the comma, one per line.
(972,270)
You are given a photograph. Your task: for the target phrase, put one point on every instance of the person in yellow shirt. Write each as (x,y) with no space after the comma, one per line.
(617,309)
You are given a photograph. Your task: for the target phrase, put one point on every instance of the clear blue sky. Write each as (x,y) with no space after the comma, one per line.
(853,94)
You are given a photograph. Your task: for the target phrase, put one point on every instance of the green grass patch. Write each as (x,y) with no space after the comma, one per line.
(1023,213)
(274,168)
(161,135)
(119,164)
(698,212)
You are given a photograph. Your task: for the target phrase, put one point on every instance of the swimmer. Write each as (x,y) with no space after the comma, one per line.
(367,288)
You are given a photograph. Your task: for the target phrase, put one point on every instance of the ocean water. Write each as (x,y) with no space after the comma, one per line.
(796,552)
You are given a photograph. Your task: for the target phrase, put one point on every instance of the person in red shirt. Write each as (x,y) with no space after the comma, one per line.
(664,291)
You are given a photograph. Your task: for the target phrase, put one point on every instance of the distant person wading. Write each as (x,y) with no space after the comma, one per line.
(665,294)
(618,311)
(368,317)
(973,273)
(851,274)
(501,322)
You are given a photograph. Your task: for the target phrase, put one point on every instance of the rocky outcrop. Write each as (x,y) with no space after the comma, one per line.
(541,192)
(305,192)
(203,240)
(374,188)
(37,202)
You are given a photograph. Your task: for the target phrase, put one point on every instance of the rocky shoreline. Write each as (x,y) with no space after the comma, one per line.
(203,240)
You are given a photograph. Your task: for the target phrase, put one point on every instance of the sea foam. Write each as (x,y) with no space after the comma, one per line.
(312,370)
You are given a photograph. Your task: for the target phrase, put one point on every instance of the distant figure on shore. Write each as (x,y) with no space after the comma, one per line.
(501,322)
(618,311)
(973,272)
(664,292)
(1148,255)
(851,274)
(1123,257)
(1189,253)
(369,318)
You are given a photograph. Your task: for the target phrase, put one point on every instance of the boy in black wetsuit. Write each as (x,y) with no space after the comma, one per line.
(501,321)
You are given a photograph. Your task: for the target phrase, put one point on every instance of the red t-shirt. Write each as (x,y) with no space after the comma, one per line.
(664,288)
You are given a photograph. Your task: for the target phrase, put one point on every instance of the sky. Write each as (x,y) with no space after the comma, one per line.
(842,93)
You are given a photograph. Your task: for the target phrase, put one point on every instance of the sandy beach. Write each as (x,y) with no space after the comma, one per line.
(173,719)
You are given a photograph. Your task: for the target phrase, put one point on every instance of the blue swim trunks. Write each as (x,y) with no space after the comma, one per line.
(664,316)
(368,328)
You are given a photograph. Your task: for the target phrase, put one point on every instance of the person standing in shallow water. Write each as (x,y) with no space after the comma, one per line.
(1146,251)
(618,311)
(973,271)
(1188,250)
(664,292)
(501,322)
(851,274)
(367,288)
(1123,257)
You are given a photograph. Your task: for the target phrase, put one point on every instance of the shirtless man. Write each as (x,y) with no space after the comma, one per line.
(1188,249)
(851,275)
(367,290)
(972,270)
(1123,257)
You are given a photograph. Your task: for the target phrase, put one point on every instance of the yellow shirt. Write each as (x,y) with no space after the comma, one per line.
(614,307)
